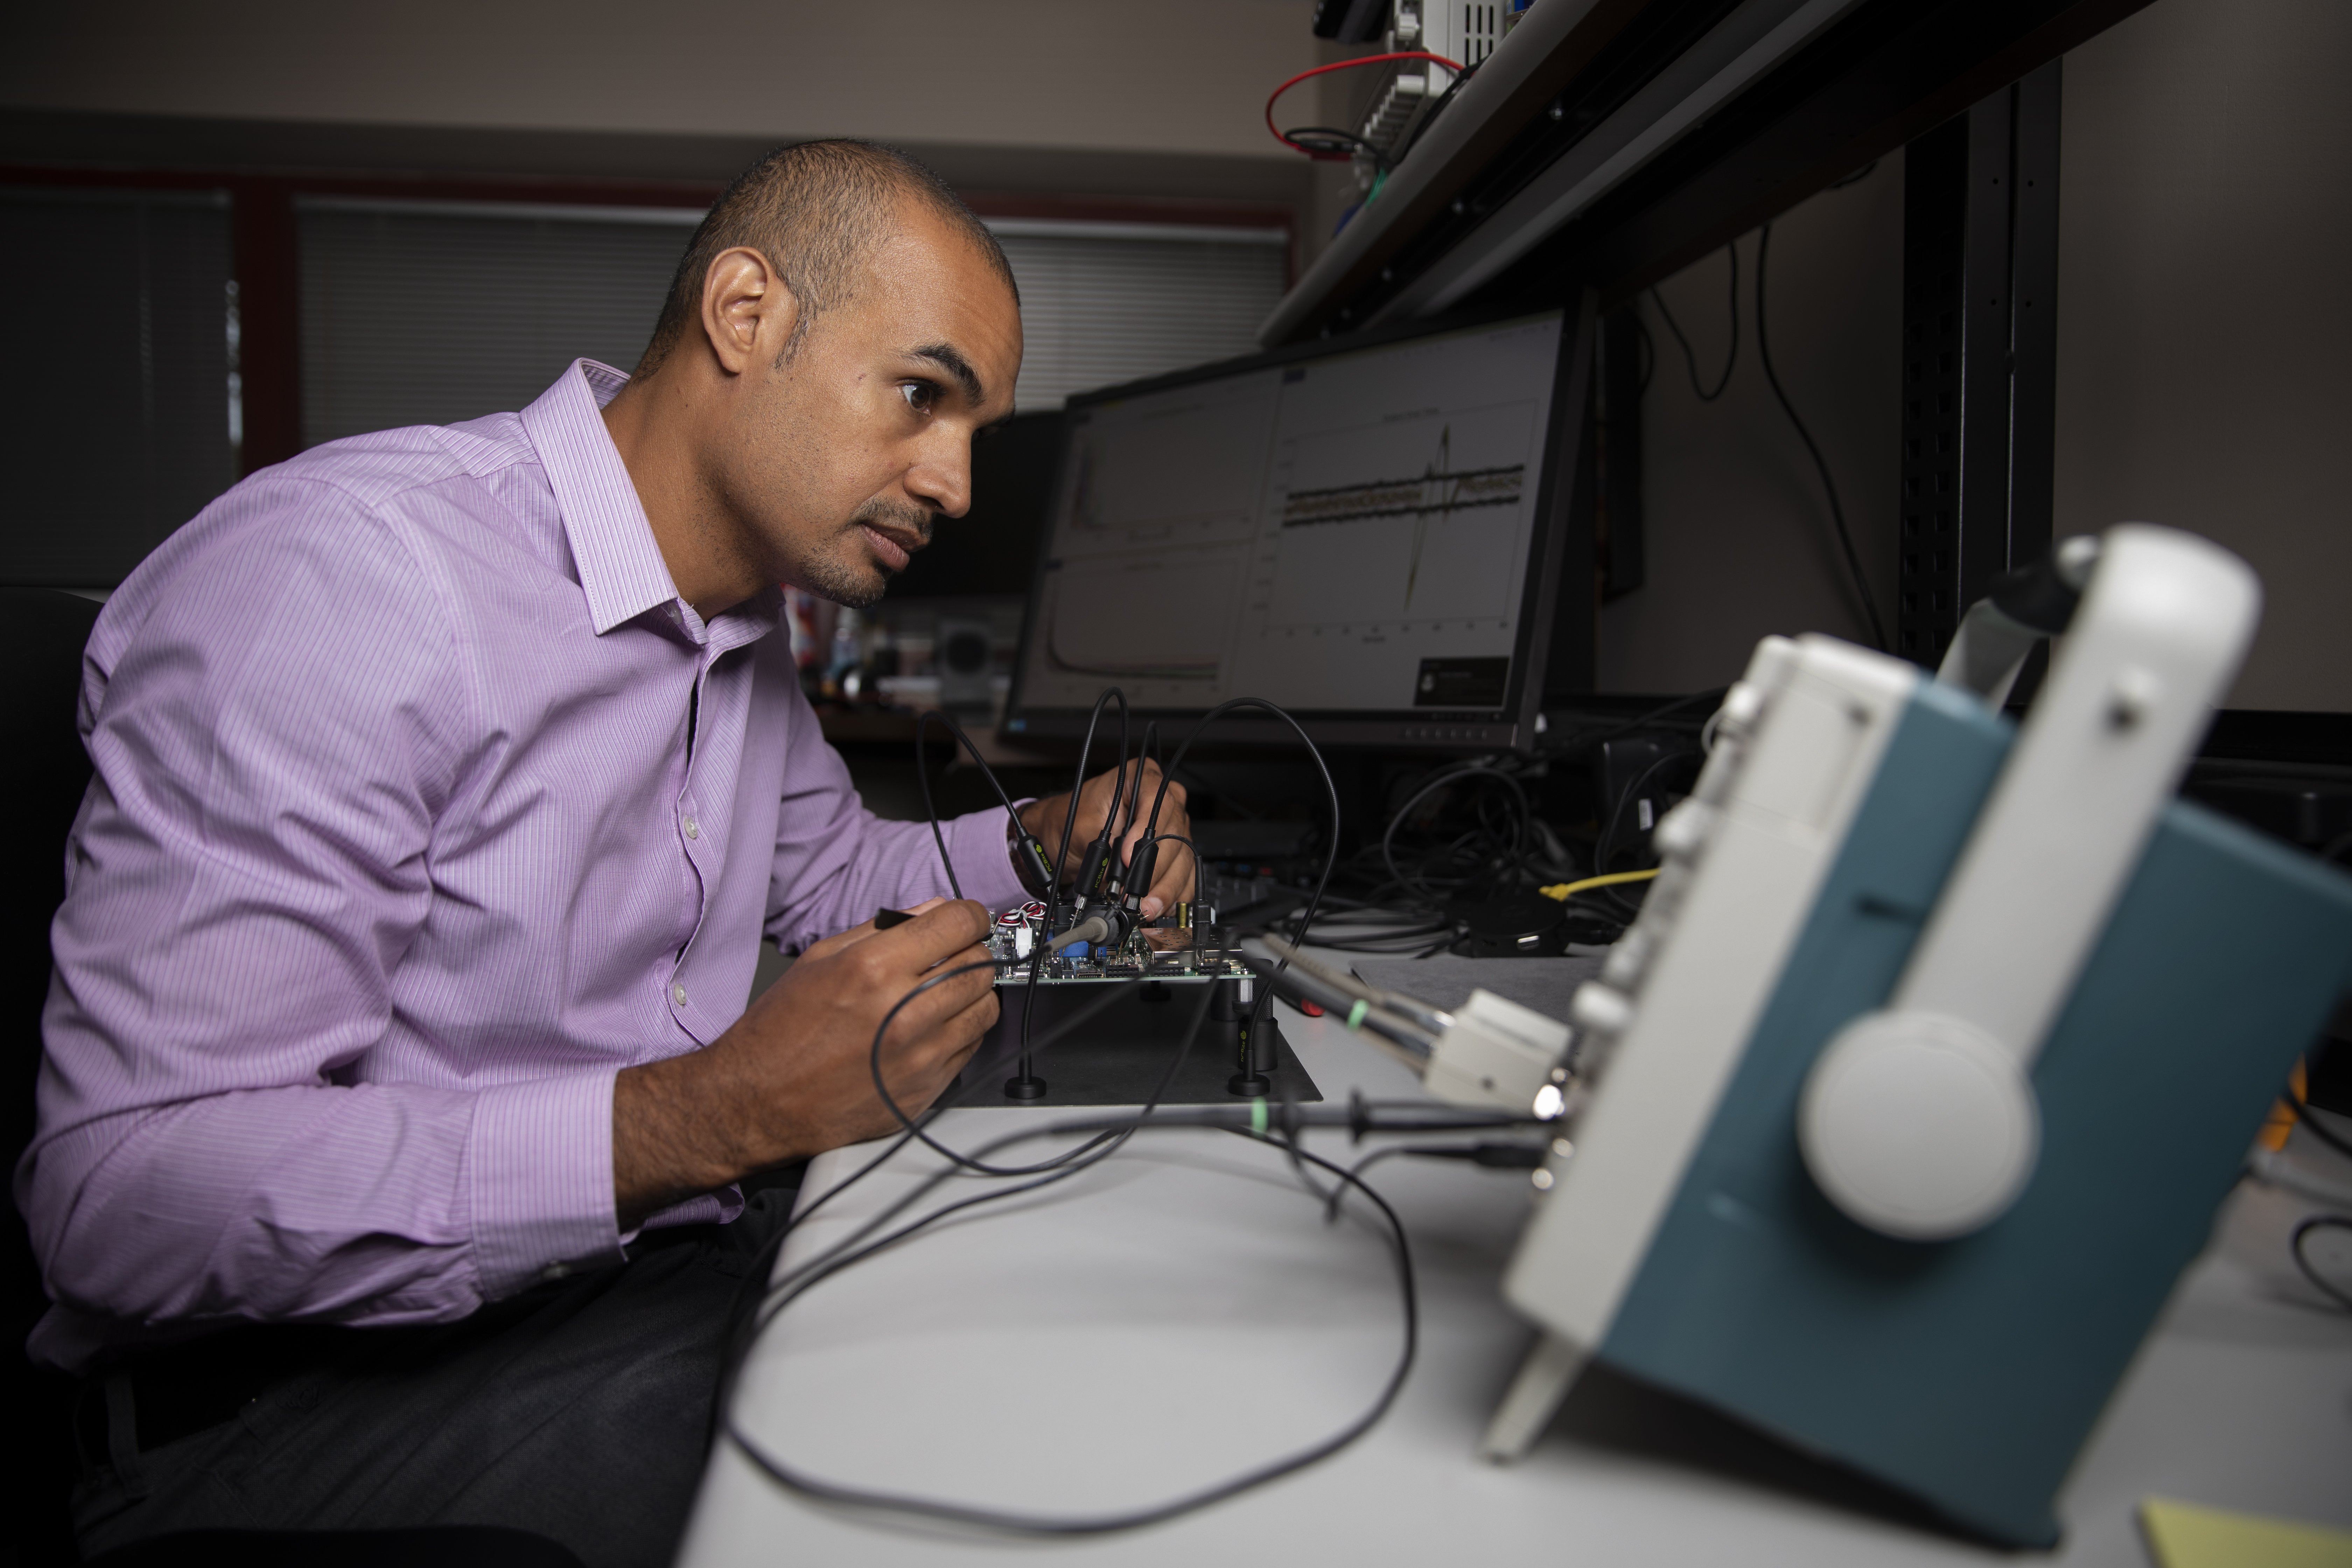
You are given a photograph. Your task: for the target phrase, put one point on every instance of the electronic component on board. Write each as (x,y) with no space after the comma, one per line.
(1105,945)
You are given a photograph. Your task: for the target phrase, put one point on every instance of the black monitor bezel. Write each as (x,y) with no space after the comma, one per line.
(1509,726)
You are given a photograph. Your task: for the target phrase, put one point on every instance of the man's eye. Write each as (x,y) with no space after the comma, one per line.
(921,395)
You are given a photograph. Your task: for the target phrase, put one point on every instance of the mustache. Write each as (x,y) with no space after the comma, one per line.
(915,520)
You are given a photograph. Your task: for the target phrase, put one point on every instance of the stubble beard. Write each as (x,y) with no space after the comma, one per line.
(849,576)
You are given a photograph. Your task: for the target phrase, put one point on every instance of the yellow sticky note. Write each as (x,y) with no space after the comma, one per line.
(2183,1535)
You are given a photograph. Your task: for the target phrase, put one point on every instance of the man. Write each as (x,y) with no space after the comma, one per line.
(445,781)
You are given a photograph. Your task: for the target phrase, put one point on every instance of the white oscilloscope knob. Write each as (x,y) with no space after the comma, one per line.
(1919,1125)
(1684,831)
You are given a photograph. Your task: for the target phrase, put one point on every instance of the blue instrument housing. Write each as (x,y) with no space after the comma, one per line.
(1969,1373)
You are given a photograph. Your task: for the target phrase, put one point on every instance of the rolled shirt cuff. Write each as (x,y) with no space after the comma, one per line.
(540,1158)
(976,845)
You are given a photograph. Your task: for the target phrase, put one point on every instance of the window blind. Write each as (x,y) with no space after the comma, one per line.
(427,313)
(1104,303)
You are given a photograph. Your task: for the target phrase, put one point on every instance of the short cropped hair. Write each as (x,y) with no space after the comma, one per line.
(817,210)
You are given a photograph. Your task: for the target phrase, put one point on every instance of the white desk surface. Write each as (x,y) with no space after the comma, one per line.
(1181,1312)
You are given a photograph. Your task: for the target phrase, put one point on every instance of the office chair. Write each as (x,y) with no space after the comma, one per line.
(42,635)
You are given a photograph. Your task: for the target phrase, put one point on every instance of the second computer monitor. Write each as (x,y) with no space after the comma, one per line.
(1363,535)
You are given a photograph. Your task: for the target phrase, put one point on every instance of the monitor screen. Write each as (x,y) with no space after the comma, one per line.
(992,547)
(1361,534)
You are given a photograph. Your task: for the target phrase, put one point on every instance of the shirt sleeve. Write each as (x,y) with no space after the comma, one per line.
(275,714)
(836,863)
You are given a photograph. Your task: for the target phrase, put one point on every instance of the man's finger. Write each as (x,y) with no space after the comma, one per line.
(947,928)
(969,1027)
(1172,883)
(823,946)
(1171,809)
(956,1038)
(976,977)
(923,1017)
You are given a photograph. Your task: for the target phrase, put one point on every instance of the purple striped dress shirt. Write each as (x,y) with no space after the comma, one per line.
(398,850)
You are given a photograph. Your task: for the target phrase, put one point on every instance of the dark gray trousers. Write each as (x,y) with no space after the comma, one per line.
(579,1411)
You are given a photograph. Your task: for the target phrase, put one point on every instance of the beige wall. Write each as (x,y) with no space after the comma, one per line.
(1738,535)
(2205,308)
(1058,73)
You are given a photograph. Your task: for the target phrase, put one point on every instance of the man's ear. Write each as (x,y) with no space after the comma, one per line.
(748,313)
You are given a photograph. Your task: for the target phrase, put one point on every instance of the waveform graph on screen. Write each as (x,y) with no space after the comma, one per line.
(1417,518)
(1162,615)
(1178,476)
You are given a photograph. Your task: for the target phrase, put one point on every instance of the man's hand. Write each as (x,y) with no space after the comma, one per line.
(1171,876)
(791,1079)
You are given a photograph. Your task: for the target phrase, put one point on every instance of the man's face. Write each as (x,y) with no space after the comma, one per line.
(843,457)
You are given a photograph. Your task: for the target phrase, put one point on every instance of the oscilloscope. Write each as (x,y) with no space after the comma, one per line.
(1367,535)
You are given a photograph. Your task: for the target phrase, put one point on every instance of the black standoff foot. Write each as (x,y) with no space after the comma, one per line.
(1250,1085)
(1026,1086)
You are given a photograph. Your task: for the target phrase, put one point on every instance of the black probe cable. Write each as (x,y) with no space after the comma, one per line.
(745,1328)
(1157,839)
(1077,785)
(1112,1132)
(1259,1120)
(1360,1118)
(740,1340)
(1125,804)
(1332,852)
(1037,955)
(1013,1523)
(1198,897)
(918,1131)
(923,777)
(762,1258)
(1025,840)
(1493,1156)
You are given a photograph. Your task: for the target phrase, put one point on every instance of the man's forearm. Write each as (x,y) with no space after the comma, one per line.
(794,1076)
(676,1131)
(380,1202)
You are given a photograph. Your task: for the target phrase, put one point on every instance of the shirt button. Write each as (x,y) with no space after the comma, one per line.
(693,829)
(677,992)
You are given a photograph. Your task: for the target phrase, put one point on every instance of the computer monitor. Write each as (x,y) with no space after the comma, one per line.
(992,547)
(1367,532)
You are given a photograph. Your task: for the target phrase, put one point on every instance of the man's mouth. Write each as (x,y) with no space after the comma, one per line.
(892,547)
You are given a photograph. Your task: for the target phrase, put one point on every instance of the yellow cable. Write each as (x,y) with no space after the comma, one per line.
(1564,891)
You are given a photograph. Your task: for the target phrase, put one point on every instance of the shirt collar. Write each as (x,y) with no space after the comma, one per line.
(621,567)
